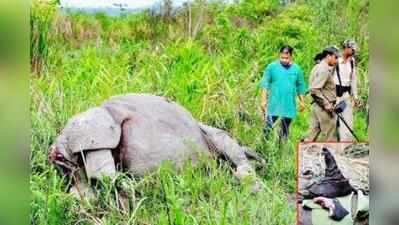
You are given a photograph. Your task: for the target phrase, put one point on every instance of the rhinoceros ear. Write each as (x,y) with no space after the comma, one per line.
(93,129)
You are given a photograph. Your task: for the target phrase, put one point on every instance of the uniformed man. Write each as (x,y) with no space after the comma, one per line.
(346,87)
(323,91)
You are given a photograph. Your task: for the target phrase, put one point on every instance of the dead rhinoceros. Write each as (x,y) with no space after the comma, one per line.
(137,132)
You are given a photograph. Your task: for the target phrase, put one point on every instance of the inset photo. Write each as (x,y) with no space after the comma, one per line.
(333,183)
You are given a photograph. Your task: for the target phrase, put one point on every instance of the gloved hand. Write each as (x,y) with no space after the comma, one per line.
(336,211)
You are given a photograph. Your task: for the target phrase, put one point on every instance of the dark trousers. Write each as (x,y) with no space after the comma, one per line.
(284,126)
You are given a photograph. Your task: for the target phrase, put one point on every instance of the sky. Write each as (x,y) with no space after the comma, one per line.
(131,4)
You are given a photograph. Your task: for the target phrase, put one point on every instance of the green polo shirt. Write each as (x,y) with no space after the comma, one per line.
(283,85)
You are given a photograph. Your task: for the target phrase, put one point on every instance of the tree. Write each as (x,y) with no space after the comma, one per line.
(166,10)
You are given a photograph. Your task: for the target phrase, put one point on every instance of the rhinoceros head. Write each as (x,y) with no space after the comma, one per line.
(90,130)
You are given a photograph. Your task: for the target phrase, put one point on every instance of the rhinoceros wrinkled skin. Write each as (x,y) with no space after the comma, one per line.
(139,132)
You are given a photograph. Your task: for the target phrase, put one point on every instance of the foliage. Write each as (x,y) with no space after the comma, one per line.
(213,70)
(40,23)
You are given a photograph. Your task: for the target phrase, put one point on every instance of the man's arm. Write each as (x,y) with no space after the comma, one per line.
(301,87)
(263,101)
(265,85)
(318,96)
(316,89)
(301,103)
(354,81)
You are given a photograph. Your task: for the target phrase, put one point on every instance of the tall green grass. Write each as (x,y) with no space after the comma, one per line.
(213,72)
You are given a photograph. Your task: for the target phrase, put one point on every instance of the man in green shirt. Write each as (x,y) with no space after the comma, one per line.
(282,81)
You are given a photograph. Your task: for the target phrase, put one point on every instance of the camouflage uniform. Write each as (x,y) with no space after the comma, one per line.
(322,89)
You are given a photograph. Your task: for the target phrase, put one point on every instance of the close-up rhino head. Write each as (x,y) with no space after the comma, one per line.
(94,129)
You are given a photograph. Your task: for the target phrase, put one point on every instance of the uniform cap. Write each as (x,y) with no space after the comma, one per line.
(332,50)
(349,43)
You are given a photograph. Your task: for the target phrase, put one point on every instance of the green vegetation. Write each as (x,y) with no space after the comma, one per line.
(211,64)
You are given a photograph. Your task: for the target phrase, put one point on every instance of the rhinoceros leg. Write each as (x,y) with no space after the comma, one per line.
(99,163)
(253,155)
(220,142)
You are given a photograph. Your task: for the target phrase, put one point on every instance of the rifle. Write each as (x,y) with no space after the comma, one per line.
(339,108)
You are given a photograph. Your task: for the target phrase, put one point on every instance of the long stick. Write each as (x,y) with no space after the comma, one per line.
(347,126)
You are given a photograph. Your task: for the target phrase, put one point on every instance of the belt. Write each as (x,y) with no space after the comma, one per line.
(314,101)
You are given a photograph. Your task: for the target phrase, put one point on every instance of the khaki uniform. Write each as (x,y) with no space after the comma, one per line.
(348,79)
(322,89)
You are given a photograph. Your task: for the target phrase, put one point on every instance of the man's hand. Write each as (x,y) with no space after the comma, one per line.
(263,110)
(263,107)
(329,107)
(335,209)
(301,103)
(356,101)
(301,106)
(263,103)
(326,203)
